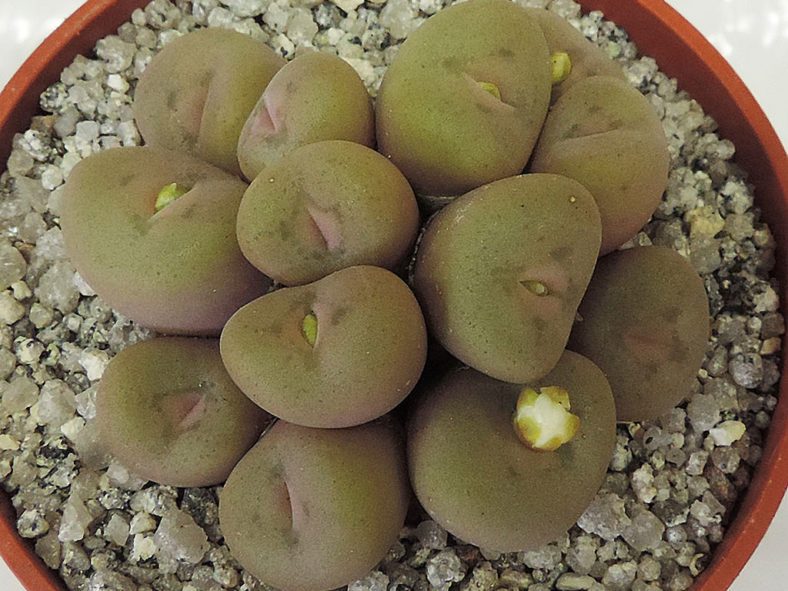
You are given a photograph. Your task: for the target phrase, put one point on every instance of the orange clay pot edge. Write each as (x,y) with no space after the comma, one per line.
(680,51)
(18,104)
(78,34)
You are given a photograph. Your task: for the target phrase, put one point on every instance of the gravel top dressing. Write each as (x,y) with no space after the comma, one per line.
(672,485)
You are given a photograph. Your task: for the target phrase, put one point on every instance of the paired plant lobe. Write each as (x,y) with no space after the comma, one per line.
(606,135)
(511,486)
(464,100)
(645,322)
(326,206)
(315,97)
(334,499)
(500,271)
(338,352)
(167,220)
(573,57)
(197,92)
(168,411)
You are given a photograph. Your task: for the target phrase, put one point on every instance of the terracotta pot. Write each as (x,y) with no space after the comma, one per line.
(680,51)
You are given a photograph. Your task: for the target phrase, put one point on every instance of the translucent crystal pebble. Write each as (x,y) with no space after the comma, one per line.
(703,412)
(444,568)
(347,5)
(11,311)
(7,365)
(22,471)
(48,548)
(86,403)
(94,361)
(573,582)
(31,228)
(75,557)
(180,538)
(773,325)
(483,578)
(72,428)
(87,130)
(727,432)
(19,162)
(28,351)
(12,265)
(57,403)
(142,548)
(75,521)
(117,530)
(244,8)
(374,581)
(20,290)
(679,582)
(674,420)
(301,28)
(128,133)
(431,535)
(399,17)
(51,246)
(7,442)
(565,8)
(649,569)
(643,483)
(619,576)
(31,524)
(276,17)
(56,287)
(727,459)
(581,556)
(605,516)
(142,522)
(747,370)
(546,557)
(107,580)
(121,477)
(644,532)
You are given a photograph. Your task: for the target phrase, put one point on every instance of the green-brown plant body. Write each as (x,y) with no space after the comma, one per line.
(500,272)
(167,409)
(474,475)
(314,509)
(334,353)
(645,323)
(436,117)
(197,92)
(178,270)
(313,98)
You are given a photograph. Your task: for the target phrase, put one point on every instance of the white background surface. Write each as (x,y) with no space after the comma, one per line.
(751,34)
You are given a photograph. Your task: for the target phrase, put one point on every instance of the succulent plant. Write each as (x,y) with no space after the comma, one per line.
(501,270)
(335,353)
(463,101)
(197,92)
(475,475)
(167,409)
(324,207)
(153,233)
(314,509)
(315,97)
(603,133)
(577,56)
(645,322)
